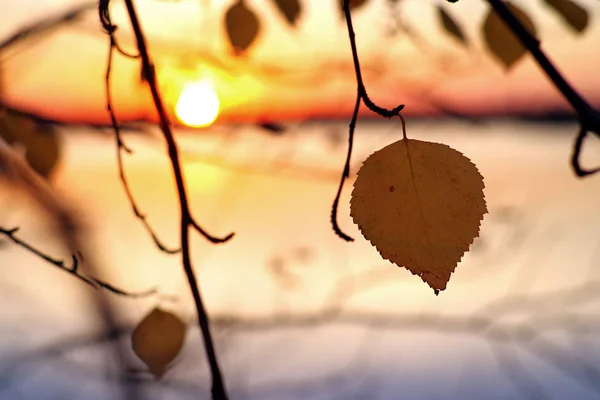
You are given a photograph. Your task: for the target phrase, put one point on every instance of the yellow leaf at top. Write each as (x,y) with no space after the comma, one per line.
(158,339)
(421,205)
(242,26)
(500,39)
(573,14)
(290,9)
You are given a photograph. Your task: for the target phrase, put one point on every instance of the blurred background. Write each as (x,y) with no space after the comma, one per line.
(297,313)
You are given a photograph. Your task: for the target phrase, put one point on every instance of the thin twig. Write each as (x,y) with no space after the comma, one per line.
(148,72)
(361,96)
(19,172)
(345,174)
(121,146)
(73,268)
(203,232)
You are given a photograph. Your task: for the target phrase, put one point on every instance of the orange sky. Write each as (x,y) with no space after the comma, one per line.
(290,73)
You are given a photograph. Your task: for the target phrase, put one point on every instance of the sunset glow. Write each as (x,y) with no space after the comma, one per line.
(198,105)
(291,73)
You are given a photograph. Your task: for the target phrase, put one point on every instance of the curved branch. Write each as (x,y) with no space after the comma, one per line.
(121,146)
(577,148)
(361,96)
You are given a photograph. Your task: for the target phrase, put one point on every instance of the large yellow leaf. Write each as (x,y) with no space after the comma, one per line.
(420,204)
(501,41)
(158,339)
(573,14)
(242,26)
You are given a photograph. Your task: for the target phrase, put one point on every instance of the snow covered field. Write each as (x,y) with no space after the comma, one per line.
(297,312)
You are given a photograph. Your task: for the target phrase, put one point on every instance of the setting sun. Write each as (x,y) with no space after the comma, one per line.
(198,105)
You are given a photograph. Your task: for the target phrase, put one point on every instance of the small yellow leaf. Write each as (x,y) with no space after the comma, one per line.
(43,150)
(290,10)
(158,339)
(41,142)
(242,26)
(421,205)
(450,26)
(15,128)
(573,14)
(501,41)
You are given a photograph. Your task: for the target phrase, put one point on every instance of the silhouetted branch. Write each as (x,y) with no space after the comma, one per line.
(361,96)
(589,118)
(111,29)
(121,146)
(210,238)
(73,268)
(10,233)
(187,221)
(577,147)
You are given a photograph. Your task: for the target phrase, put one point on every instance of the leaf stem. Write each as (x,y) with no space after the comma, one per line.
(403,127)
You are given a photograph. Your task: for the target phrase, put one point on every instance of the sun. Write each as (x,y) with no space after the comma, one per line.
(198,105)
